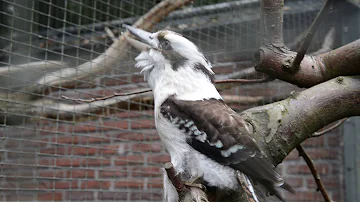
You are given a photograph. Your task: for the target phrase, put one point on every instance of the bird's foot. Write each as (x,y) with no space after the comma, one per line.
(195,183)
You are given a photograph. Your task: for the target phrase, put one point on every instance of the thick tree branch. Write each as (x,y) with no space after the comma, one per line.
(276,60)
(314,172)
(313,70)
(280,127)
(271,22)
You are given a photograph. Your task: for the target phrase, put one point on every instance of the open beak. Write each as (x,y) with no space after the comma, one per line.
(144,36)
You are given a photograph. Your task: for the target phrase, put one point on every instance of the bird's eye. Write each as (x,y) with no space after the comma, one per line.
(165,45)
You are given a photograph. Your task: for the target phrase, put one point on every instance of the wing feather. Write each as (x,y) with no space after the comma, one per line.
(227,136)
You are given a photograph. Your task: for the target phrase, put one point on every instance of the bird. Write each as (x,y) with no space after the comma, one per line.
(204,137)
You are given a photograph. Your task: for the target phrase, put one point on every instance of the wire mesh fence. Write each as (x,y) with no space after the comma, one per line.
(52,149)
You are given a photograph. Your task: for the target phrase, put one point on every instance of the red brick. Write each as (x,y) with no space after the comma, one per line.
(84,151)
(323,153)
(155,183)
(314,142)
(295,182)
(92,184)
(64,185)
(54,151)
(136,137)
(79,195)
(151,171)
(129,160)
(67,162)
(116,124)
(146,196)
(143,147)
(52,174)
(323,169)
(159,158)
(94,140)
(334,140)
(46,162)
(330,182)
(223,69)
(112,173)
(293,155)
(50,196)
(142,124)
(130,183)
(304,196)
(114,149)
(115,81)
(133,114)
(80,173)
(113,196)
(64,140)
(137,79)
(97,162)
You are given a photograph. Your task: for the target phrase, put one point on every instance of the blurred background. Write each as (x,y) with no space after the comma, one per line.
(52,149)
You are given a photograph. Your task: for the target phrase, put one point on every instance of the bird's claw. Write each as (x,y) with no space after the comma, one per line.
(196,185)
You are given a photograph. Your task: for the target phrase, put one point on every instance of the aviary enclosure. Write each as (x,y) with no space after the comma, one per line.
(73,130)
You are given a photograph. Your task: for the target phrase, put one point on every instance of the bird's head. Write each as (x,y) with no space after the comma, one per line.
(170,60)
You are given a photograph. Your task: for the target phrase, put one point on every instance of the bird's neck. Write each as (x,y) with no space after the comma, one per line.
(185,83)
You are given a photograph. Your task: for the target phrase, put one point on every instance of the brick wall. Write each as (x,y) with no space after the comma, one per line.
(116,155)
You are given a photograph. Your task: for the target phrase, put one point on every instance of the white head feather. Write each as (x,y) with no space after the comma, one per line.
(186,81)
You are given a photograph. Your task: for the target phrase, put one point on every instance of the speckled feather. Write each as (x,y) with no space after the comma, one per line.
(215,130)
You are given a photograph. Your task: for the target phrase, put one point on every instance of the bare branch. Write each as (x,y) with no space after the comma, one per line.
(65,77)
(308,38)
(34,66)
(245,81)
(106,97)
(271,22)
(314,172)
(110,34)
(329,128)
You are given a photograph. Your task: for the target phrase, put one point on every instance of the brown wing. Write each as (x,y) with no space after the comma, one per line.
(215,130)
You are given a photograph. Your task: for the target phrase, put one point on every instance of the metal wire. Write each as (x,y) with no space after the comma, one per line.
(53,150)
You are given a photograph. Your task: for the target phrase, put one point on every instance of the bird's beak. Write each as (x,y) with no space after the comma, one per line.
(142,35)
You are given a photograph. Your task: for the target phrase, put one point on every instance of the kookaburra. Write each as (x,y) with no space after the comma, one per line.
(204,137)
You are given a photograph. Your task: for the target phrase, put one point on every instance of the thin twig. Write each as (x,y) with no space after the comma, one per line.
(149,90)
(310,34)
(331,127)
(262,80)
(314,172)
(105,97)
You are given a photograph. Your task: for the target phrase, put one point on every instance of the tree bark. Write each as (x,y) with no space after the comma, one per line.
(276,61)
(281,126)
